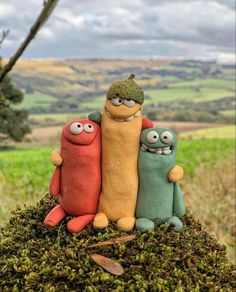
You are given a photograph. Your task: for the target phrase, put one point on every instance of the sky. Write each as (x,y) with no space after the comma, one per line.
(192,29)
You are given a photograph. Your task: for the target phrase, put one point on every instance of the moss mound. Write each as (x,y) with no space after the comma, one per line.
(35,258)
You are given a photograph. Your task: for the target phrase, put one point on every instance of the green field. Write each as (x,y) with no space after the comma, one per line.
(97,103)
(29,170)
(60,118)
(229,113)
(207,83)
(201,90)
(35,100)
(227,132)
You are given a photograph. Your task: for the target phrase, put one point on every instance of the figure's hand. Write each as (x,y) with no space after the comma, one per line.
(147,123)
(56,157)
(95,117)
(175,174)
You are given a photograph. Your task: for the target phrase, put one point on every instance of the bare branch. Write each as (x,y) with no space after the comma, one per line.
(47,10)
(5,33)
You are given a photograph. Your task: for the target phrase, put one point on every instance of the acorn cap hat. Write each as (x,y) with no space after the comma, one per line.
(126,89)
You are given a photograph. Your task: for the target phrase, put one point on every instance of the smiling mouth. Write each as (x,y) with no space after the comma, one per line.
(128,119)
(164,150)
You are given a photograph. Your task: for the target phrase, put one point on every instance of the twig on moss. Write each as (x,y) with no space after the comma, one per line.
(113,241)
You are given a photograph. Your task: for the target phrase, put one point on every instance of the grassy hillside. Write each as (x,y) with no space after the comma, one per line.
(227,132)
(206,89)
(35,100)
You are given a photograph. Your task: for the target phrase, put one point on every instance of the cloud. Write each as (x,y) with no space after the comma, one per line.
(6,10)
(134,28)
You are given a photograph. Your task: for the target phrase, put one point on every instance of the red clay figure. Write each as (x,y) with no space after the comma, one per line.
(77,181)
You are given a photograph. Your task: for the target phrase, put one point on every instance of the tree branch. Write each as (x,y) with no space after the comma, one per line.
(47,10)
(5,33)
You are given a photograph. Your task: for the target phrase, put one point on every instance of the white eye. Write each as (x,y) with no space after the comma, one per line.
(129,102)
(152,137)
(88,128)
(117,101)
(166,137)
(76,128)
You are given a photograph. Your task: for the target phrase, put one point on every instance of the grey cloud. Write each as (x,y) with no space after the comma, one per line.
(134,28)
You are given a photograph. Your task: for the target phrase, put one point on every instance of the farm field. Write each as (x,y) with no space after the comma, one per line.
(205,89)
(224,132)
(198,91)
(35,100)
(49,135)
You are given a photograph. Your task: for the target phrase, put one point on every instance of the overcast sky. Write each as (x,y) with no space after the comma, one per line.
(123,28)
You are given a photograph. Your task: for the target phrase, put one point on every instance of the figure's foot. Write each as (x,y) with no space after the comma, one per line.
(55,216)
(126,223)
(175,221)
(77,224)
(144,224)
(100,221)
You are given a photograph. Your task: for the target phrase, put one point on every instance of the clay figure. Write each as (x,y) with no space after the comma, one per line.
(77,181)
(159,199)
(121,125)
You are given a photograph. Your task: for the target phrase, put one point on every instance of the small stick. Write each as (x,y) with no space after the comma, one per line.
(113,241)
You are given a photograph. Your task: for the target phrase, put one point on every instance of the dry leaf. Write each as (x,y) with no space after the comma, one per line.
(113,241)
(108,264)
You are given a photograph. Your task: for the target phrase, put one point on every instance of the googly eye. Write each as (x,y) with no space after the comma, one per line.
(152,137)
(117,101)
(166,137)
(76,128)
(88,128)
(129,102)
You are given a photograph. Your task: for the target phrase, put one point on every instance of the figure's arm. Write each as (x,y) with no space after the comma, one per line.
(95,117)
(146,123)
(175,174)
(54,187)
(56,157)
(179,207)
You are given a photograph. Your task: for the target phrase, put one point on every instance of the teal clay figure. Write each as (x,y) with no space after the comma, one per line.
(159,200)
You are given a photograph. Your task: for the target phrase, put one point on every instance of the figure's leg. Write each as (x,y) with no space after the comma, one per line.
(126,223)
(55,216)
(144,224)
(77,224)
(100,221)
(175,221)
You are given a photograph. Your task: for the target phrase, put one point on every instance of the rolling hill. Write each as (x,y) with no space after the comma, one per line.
(174,90)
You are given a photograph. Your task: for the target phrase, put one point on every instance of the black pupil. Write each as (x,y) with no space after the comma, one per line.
(154,137)
(128,99)
(78,126)
(120,100)
(89,126)
(165,137)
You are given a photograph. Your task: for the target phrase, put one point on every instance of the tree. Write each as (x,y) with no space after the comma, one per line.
(13,122)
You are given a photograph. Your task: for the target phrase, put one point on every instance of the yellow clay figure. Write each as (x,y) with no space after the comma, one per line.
(121,125)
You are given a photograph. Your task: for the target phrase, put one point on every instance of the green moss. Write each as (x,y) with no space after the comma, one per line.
(35,258)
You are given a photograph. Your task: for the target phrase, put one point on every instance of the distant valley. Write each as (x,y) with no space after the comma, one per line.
(174,90)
